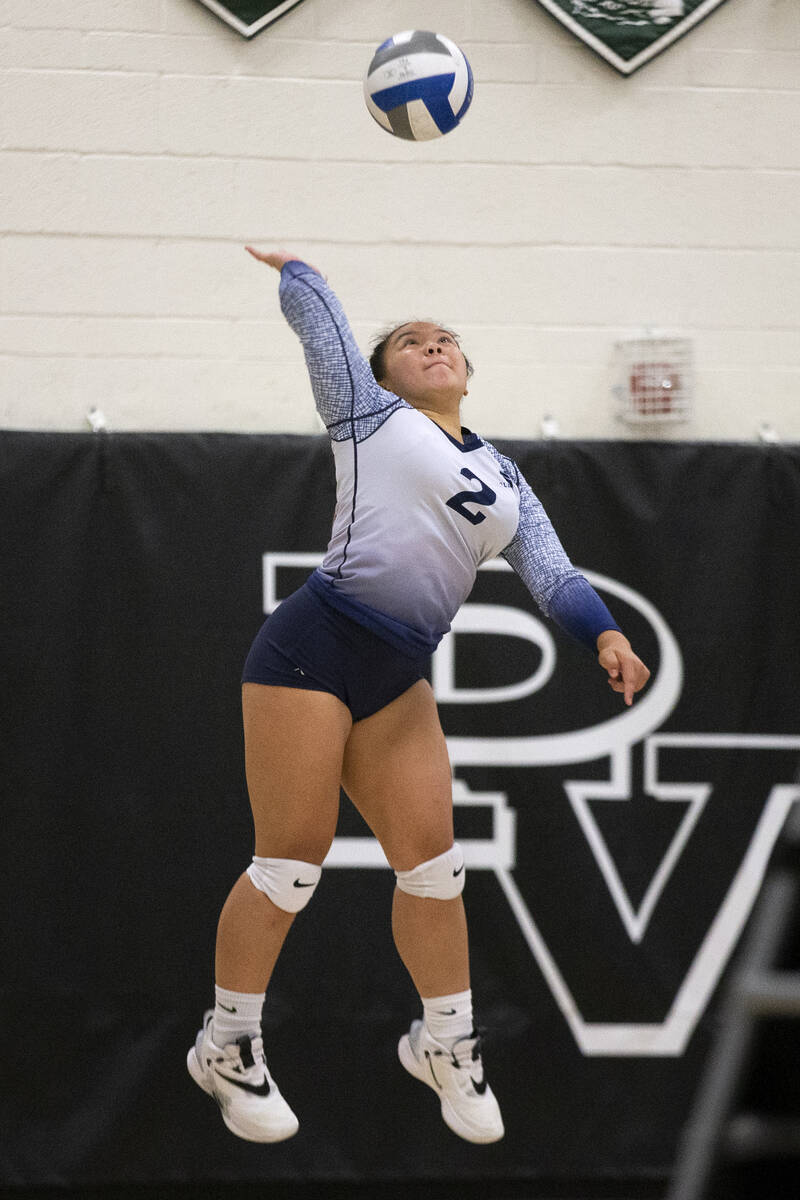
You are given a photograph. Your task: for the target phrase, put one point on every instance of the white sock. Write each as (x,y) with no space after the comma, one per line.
(449,1018)
(235,1014)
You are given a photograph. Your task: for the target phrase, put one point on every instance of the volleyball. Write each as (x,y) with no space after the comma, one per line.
(418,85)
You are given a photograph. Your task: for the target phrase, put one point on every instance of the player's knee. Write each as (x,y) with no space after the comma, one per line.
(441,878)
(287,882)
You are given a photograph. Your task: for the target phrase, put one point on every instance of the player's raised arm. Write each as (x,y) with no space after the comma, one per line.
(343,385)
(278,258)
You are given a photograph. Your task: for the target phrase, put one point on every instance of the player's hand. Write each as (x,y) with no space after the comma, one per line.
(627,673)
(277,258)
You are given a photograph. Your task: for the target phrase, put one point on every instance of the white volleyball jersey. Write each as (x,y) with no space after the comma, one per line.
(417,512)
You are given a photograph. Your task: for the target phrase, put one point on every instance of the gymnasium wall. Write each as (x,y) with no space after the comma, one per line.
(145,143)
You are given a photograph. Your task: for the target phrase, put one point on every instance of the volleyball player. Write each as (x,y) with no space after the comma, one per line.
(334,694)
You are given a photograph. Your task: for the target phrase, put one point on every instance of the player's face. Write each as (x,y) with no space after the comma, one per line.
(423,360)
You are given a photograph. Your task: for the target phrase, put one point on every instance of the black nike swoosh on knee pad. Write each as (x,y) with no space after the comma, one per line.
(299,883)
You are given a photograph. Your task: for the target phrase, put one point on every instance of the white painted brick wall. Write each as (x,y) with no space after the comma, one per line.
(144,142)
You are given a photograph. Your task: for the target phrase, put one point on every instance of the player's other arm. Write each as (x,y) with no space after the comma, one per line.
(567,597)
(342,382)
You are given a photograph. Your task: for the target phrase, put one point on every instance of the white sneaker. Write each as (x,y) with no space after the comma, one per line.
(236,1076)
(468,1104)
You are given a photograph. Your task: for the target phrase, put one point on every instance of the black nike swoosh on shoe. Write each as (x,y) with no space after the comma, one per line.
(259,1089)
(433,1073)
(299,883)
(480,1088)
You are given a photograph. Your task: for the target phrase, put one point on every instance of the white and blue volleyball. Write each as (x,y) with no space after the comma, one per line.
(419,85)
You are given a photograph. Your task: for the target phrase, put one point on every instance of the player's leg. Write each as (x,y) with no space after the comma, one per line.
(397,773)
(294,743)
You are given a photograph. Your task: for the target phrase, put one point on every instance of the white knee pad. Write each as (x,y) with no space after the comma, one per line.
(441,878)
(287,882)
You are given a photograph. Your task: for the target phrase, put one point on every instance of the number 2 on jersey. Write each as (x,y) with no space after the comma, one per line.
(484,496)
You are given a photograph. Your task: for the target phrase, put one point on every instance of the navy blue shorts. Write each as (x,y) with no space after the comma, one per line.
(307,644)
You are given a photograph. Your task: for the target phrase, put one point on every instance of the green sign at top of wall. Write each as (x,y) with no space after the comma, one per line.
(628,33)
(249,17)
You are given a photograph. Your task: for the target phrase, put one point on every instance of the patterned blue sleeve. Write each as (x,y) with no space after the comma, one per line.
(347,396)
(537,556)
